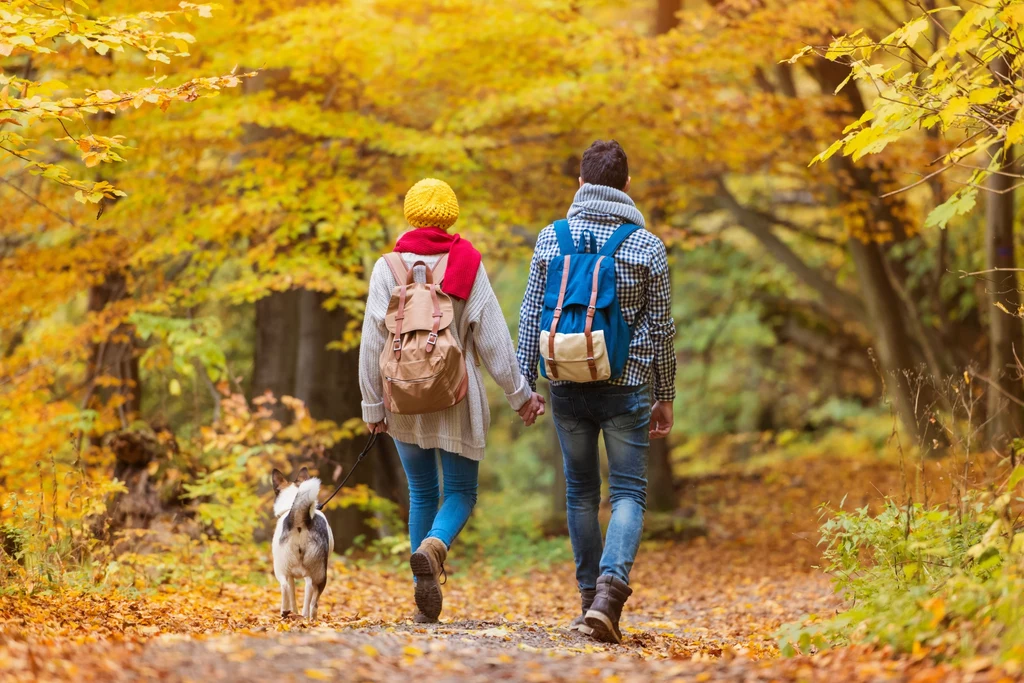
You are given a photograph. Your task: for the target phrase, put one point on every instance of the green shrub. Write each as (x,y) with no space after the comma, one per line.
(945,578)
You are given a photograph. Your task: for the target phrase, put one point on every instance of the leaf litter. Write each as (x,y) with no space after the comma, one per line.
(705,609)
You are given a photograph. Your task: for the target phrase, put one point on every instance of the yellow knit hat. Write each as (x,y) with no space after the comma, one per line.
(431,203)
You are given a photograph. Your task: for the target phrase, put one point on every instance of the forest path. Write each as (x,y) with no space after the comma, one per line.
(705,609)
(700,609)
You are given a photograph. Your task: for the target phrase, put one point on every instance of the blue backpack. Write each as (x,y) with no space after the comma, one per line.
(584,337)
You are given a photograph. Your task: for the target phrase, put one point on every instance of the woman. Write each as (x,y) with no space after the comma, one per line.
(458,432)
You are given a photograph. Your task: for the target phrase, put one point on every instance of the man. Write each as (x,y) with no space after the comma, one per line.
(629,409)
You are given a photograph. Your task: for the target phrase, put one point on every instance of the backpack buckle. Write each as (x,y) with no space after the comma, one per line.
(432,339)
(397,345)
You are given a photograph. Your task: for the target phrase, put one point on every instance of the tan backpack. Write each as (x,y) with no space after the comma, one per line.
(422,365)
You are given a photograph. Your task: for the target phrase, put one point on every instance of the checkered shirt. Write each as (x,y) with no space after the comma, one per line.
(645,297)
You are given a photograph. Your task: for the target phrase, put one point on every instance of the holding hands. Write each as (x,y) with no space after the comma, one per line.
(529,413)
(532,409)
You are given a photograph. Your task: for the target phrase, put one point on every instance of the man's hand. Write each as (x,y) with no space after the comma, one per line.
(661,419)
(377,427)
(532,409)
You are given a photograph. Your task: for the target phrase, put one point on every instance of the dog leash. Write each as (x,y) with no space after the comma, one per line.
(366,449)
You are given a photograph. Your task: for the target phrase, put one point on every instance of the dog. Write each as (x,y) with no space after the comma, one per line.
(303,541)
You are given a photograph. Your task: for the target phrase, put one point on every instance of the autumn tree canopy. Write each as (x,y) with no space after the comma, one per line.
(193,196)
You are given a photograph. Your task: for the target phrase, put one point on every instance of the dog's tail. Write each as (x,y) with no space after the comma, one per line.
(304,504)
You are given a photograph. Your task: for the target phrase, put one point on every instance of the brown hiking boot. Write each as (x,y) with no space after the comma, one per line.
(579,623)
(603,615)
(421,618)
(427,563)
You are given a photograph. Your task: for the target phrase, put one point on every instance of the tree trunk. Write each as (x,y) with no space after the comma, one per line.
(277,341)
(911,390)
(666,16)
(891,338)
(327,381)
(661,492)
(1005,329)
(277,316)
(314,380)
(115,357)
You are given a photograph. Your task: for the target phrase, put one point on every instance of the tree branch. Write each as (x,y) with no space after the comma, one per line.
(761,228)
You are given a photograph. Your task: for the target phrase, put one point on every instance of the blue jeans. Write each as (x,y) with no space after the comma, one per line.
(581,413)
(460,483)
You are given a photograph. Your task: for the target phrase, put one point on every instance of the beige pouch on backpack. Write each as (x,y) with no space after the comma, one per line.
(572,357)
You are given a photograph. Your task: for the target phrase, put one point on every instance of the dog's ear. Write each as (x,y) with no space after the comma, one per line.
(280,481)
(302,476)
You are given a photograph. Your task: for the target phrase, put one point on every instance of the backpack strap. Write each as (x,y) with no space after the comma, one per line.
(617,238)
(404,276)
(565,243)
(587,245)
(396,347)
(588,330)
(552,366)
(439,269)
(432,337)
(397,266)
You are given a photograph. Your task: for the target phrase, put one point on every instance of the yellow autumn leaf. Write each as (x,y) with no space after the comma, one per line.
(319,674)
(984,95)
(1013,15)
(954,108)
(913,31)
(1015,133)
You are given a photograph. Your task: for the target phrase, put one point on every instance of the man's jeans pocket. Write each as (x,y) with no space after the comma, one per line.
(621,410)
(625,411)
(564,412)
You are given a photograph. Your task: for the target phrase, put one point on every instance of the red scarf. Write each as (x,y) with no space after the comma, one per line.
(463,258)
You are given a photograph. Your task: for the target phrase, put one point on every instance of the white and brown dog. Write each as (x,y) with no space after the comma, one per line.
(303,541)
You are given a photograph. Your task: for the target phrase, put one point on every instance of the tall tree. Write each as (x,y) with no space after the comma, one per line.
(974,104)
(661,494)
(1005,335)
(276,350)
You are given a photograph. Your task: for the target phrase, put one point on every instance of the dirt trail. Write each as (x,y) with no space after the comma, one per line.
(700,609)
(703,610)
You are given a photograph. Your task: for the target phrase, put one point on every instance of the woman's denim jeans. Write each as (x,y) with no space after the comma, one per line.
(581,413)
(460,484)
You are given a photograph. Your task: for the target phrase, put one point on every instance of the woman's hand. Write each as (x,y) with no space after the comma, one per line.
(532,409)
(377,427)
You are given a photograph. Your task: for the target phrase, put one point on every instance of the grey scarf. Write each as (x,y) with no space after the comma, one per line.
(606,200)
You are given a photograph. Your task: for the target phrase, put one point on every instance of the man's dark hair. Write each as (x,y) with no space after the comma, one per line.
(604,163)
